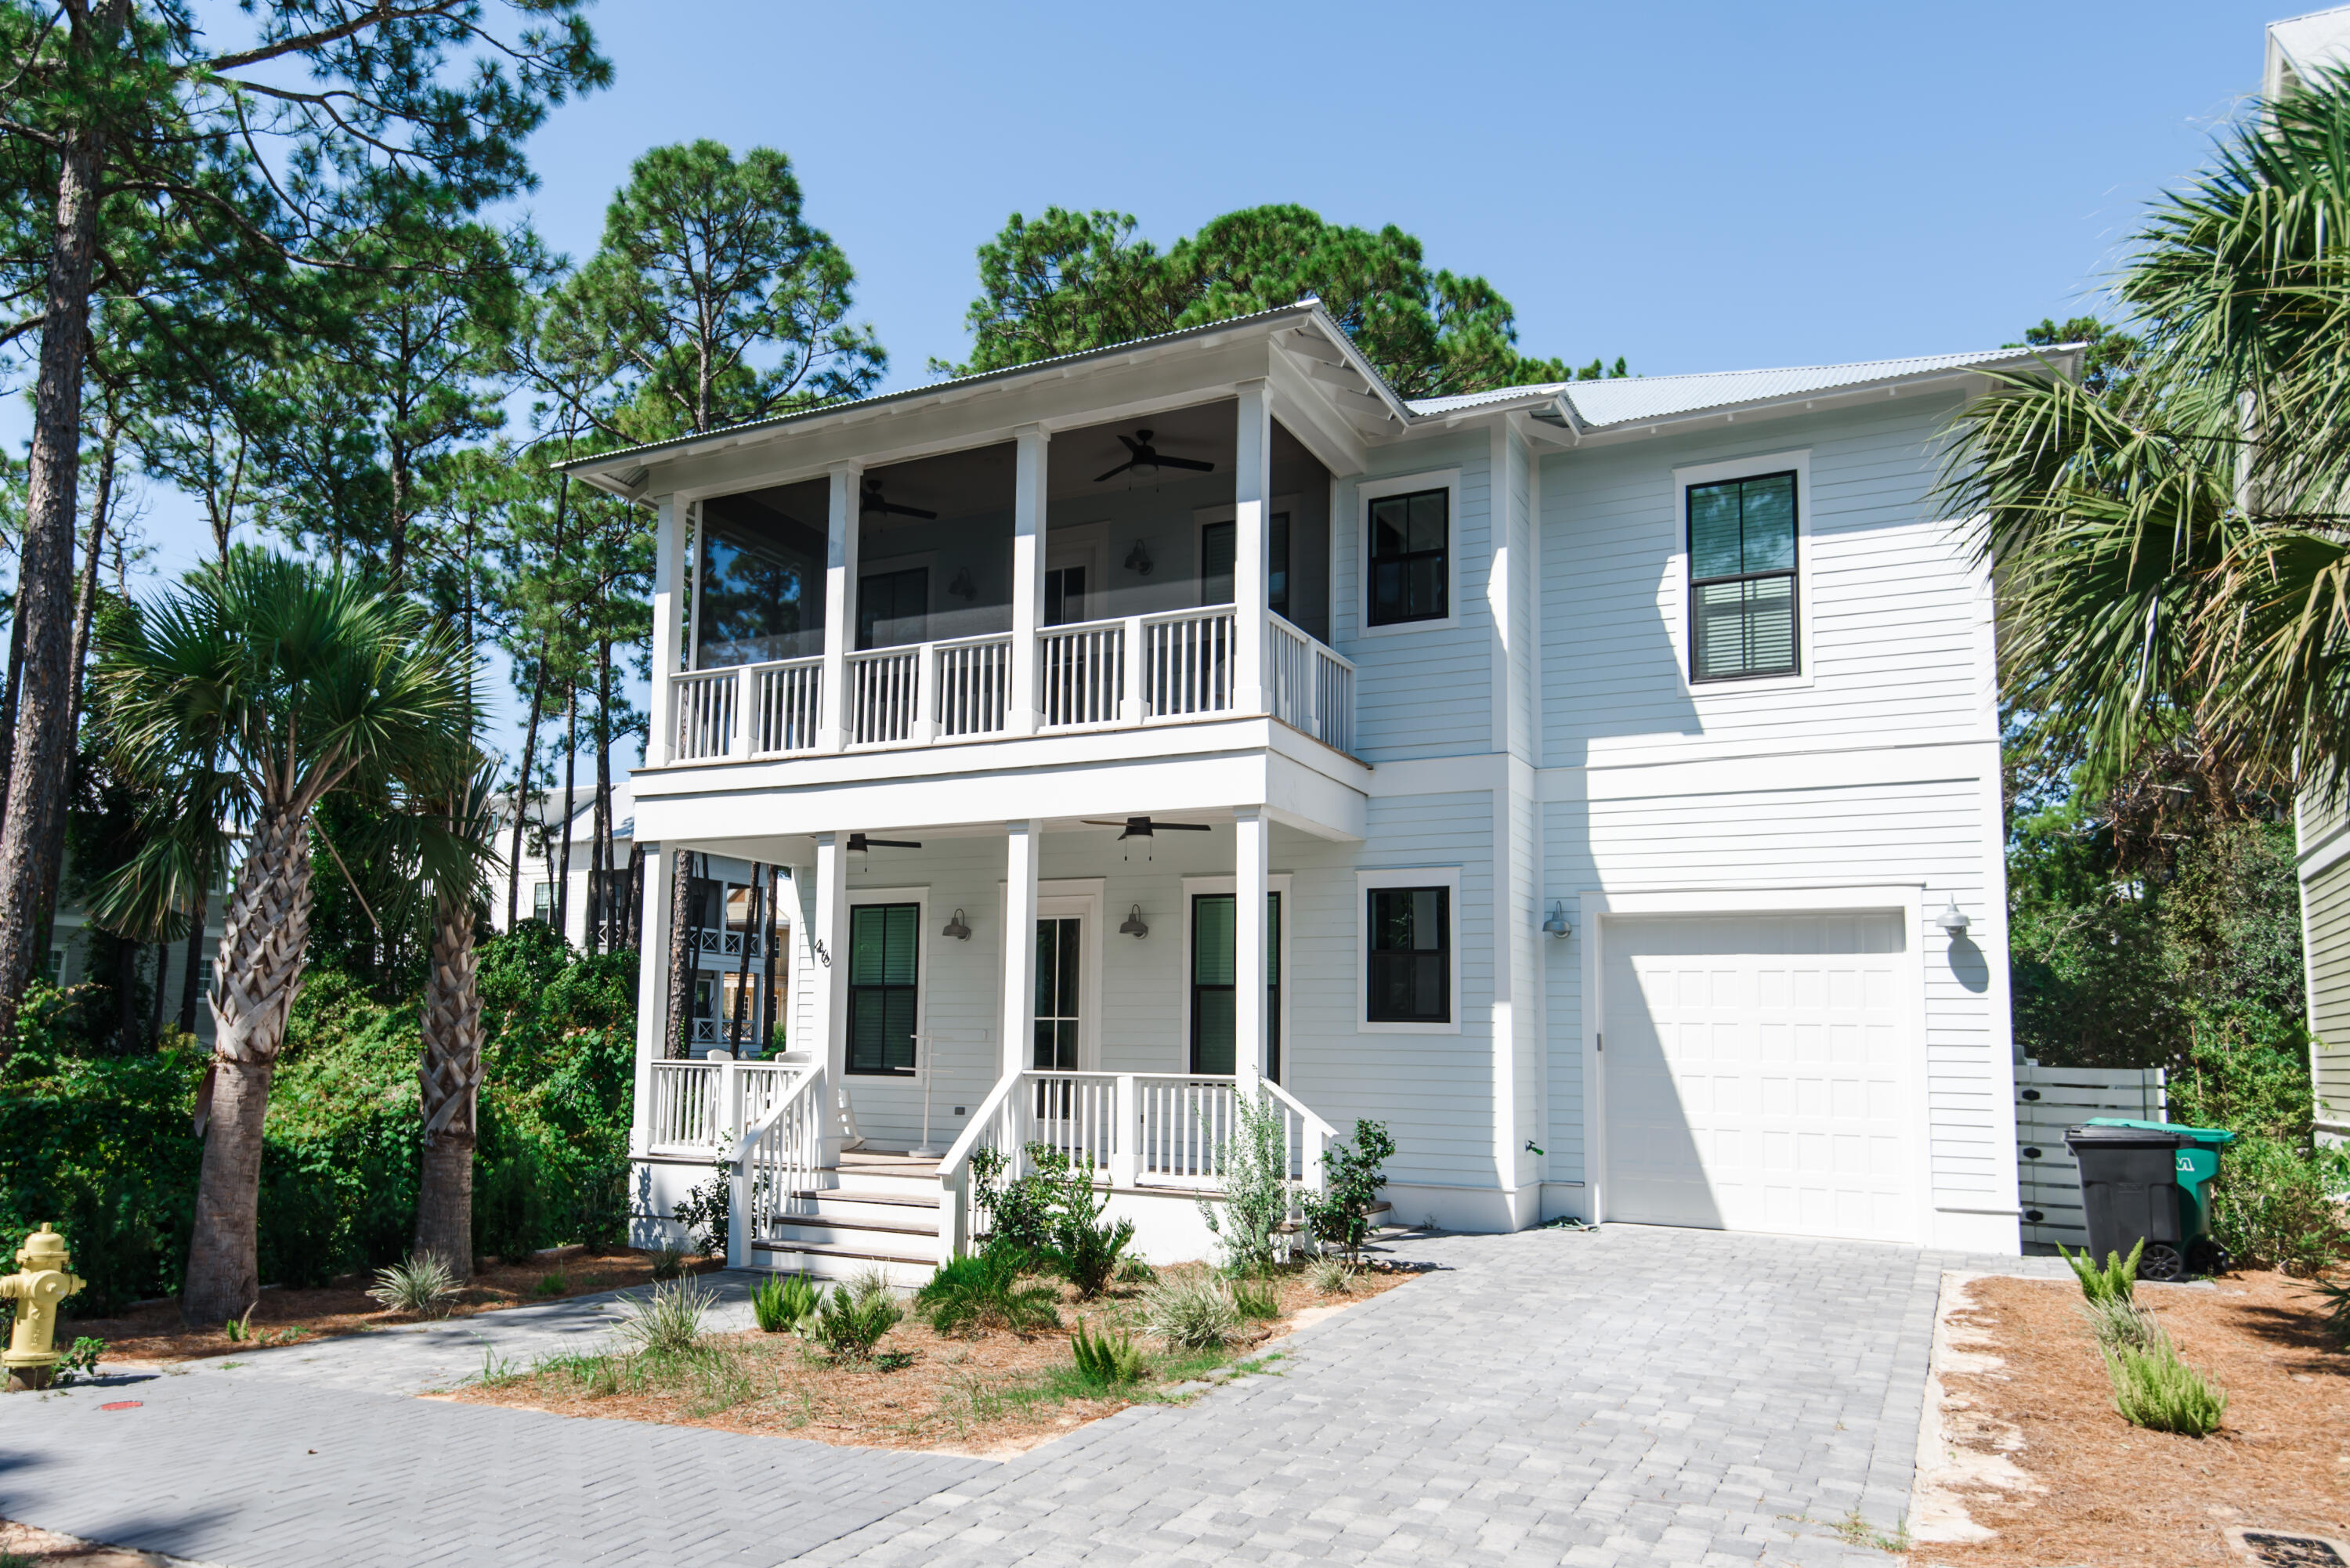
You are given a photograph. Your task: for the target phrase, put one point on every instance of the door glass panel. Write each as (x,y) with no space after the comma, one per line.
(1216,548)
(1065,596)
(1057,952)
(893,608)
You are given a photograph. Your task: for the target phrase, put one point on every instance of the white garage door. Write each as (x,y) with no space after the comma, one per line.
(1754,1075)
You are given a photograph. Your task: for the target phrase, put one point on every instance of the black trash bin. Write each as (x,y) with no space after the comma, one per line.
(2130,1192)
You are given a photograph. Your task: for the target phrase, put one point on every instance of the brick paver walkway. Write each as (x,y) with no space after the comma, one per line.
(1627,1397)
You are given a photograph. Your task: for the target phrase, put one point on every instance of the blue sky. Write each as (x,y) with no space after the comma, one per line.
(1691,186)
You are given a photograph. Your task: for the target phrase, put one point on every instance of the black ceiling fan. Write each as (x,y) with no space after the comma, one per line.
(1143,828)
(874,502)
(1141,453)
(858,844)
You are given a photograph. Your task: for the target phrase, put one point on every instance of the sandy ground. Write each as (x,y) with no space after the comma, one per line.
(968,1395)
(2060,1477)
(152,1332)
(44,1547)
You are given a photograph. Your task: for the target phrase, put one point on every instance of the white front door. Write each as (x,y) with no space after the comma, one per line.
(1756,1076)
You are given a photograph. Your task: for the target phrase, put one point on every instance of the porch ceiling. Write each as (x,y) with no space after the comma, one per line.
(799,849)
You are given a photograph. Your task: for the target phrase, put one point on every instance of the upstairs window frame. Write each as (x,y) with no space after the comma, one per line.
(1680,601)
(1371,491)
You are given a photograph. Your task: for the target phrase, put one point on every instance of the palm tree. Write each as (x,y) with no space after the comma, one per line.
(297,682)
(452,831)
(2173,553)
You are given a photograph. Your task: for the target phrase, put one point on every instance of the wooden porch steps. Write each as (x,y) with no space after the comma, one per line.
(875,1209)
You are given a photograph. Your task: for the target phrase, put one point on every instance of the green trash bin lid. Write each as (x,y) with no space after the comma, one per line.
(2213,1136)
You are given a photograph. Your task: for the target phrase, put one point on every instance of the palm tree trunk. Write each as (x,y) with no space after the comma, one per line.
(262,948)
(42,741)
(449,1078)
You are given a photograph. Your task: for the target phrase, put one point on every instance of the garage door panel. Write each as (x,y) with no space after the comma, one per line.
(1754,1074)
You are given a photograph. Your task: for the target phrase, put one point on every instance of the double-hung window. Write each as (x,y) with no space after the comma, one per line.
(1411,534)
(1214,986)
(1410,969)
(1741,553)
(883,942)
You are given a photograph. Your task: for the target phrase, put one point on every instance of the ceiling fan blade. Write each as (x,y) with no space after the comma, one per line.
(1114,472)
(1131,444)
(1191,463)
(893,507)
(1181,828)
(892,843)
(1097,822)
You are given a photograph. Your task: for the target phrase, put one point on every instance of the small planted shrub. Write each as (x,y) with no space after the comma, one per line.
(1018,1213)
(987,1292)
(782,1302)
(1258,1194)
(1135,1272)
(2120,1323)
(1256,1300)
(553,1284)
(705,1212)
(421,1283)
(1192,1313)
(2115,1281)
(669,1262)
(1352,1174)
(2333,1302)
(1105,1362)
(669,1320)
(2272,1205)
(854,1317)
(1331,1276)
(2154,1389)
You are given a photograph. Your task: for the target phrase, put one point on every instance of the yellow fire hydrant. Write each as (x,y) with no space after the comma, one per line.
(39,1283)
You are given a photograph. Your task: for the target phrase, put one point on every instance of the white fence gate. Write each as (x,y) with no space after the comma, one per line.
(2048,1100)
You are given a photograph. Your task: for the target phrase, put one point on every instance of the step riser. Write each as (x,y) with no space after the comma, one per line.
(904,1273)
(832,1204)
(868,1184)
(892,1243)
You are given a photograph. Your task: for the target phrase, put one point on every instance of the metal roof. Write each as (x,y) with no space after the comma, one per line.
(1600,404)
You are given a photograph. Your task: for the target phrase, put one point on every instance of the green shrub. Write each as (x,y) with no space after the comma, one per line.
(783,1302)
(1255,1170)
(669,1262)
(1078,1246)
(2272,1205)
(669,1320)
(2117,1281)
(1352,1174)
(1018,1213)
(1192,1312)
(2119,1323)
(1135,1272)
(1331,1276)
(553,1284)
(1105,1362)
(985,1292)
(421,1283)
(706,1211)
(854,1317)
(2153,1388)
(1256,1301)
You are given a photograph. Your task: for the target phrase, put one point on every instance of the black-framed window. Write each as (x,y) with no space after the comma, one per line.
(1742,551)
(1058,949)
(1214,962)
(1218,548)
(1409,537)
(883,943)
(1276,576)
(1410,955)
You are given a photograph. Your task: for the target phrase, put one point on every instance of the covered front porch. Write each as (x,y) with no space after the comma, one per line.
(1143,992)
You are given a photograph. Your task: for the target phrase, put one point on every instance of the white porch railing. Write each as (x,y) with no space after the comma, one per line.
(1096,674)
(1131,1129)
(776,1160)
(697,1105)
(1313,686)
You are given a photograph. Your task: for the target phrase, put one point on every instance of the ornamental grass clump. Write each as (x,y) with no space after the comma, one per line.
(1105,1362)
(423,1283)
(988,1290)
(670,1322)
(1330,1276)
(1256,1299)
(782,1302)
(2155,1389)
(1191,1314)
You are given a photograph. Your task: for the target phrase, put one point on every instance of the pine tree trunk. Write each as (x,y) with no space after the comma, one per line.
(43,738)
(449,1079)
(559,865)
(522,785)
(262,948)
(600,860)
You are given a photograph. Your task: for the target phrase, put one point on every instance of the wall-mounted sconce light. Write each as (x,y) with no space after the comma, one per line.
(1557,925)
(957,928)
(1952,919)
(1137,560)
(1134,927)
(962,588)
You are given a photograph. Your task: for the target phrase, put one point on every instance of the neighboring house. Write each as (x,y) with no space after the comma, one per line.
(2301,47)
(70,961)
(2324,836)
(1597,783)
(738,999)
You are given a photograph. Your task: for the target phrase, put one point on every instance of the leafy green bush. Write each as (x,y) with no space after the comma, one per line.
(1257,1301)
(669,1262)
(985,1292)
(1192,1313)
(1018,1213)
(2153,1388)
(707,1211)
(1254,1169)
(2117,1281)
(2272,1205)
(421,1283)
(2334,1300)
(783,1302)
(1105,1362)
(669,1320)
(1352,1174)
(854,1317)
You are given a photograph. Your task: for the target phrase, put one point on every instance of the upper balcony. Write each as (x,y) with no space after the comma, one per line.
(1111,576)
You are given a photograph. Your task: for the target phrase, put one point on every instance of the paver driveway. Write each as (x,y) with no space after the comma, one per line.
(1631,1395)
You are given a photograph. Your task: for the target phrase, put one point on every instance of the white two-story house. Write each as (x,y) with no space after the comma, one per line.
(1597,783)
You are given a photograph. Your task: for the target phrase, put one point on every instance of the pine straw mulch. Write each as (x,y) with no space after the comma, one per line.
(46,1548)
(993,1394)
(151,1331)
(2109,1492)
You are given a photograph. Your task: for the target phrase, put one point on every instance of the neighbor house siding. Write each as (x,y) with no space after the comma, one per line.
(2326,940)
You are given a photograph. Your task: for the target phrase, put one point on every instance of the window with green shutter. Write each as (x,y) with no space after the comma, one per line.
(883,942)
(1214,962)
(1742,551)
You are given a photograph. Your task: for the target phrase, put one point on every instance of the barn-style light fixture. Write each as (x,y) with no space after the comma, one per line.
(1952,919)
(1134,927)
(957,928)
(1557,925)
(1137,560)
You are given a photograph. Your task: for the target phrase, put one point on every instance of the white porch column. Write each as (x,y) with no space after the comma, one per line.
(1024,840)
(1029,513)
(668,615)
(652,993)
(1252,834)
(833,724)
(1252,548)
(829,995)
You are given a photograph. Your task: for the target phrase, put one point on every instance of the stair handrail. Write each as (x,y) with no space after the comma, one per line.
(1319,1135)
(954,1170)
(752,1196)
